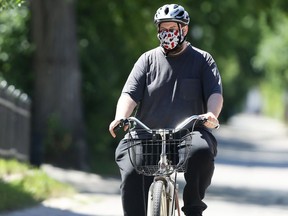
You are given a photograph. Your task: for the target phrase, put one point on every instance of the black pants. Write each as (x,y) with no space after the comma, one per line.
(134,187)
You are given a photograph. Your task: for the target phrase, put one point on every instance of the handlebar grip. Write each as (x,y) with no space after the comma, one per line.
(202,119)
(122,123)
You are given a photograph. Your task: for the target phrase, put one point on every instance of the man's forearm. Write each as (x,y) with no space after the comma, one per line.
(214,104)
(125,106)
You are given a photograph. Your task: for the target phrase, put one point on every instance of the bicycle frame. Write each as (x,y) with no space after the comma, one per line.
(164,175)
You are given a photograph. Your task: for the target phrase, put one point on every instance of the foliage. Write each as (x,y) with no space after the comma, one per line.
(15,48)
(273,100)
(8,167)
(13,197)
(16,180)
(246,38)
(271,61)
(108,48)
(272,52)
(7,4)
(57,143)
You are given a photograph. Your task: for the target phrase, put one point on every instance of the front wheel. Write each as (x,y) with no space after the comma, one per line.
(159,201)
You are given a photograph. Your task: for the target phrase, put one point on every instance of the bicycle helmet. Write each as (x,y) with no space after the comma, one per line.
(171,12)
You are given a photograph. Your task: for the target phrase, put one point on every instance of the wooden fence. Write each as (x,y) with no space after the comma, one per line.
(14,122)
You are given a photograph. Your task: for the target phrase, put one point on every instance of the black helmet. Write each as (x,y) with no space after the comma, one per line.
(171,12)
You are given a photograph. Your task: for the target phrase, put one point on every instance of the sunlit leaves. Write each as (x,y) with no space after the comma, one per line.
(15,47)
(272,53)
(8,4)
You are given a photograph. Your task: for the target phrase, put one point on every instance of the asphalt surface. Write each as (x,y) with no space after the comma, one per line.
(251,177)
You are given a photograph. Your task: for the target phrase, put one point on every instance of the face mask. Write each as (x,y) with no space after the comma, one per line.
(170,39)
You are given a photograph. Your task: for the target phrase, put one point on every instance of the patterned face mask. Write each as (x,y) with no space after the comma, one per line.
(170,39)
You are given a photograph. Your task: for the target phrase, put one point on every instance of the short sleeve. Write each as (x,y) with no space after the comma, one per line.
(135,83)
(211,78)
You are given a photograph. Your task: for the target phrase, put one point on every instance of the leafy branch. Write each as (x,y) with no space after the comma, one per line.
(8,4)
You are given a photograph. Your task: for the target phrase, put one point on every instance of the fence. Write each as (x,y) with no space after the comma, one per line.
(14,122)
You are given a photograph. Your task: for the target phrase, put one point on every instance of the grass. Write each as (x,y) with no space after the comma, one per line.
(22,186)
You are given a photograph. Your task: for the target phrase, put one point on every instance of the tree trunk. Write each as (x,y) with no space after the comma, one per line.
(58,127)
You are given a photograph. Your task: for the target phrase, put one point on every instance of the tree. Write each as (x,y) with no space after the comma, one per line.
(57,102)
(111,36)
(4,4)
(271,61)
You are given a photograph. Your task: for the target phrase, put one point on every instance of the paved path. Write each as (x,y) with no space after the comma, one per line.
(251,177)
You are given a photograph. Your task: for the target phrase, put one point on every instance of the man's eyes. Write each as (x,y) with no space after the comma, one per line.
(170,30)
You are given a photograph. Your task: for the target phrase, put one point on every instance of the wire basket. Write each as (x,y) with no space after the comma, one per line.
(145,150)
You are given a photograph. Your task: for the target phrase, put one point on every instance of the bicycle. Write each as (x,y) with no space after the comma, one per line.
(161,153)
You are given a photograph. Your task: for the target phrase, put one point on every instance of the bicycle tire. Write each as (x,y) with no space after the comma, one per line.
(159,204)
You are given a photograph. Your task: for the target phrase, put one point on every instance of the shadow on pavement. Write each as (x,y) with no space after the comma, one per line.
(250,196)
(253,141)
(241,153)
(256,196)
(46,211)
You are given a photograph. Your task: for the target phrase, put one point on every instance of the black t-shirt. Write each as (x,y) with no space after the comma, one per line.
(169,89)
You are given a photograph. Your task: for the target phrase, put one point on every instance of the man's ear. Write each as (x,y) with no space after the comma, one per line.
(185,30)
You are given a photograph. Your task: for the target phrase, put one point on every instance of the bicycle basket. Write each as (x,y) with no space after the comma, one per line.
(145,150)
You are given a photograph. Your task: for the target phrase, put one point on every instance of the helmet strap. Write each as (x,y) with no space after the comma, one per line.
(180,35)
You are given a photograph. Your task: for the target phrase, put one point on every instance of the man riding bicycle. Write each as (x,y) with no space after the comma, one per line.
(168,84)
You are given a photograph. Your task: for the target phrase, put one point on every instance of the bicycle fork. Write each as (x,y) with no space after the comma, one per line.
(171,196)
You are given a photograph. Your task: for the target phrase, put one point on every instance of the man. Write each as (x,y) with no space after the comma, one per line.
(168,84)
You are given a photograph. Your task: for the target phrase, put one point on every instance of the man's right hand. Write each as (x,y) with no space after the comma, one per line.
(112,125)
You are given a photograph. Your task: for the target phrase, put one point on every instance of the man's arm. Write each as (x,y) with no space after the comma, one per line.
(214,107)
(125,107)
(215,104)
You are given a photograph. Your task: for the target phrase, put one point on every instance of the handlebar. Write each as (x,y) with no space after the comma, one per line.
(182,125)
(161,150)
